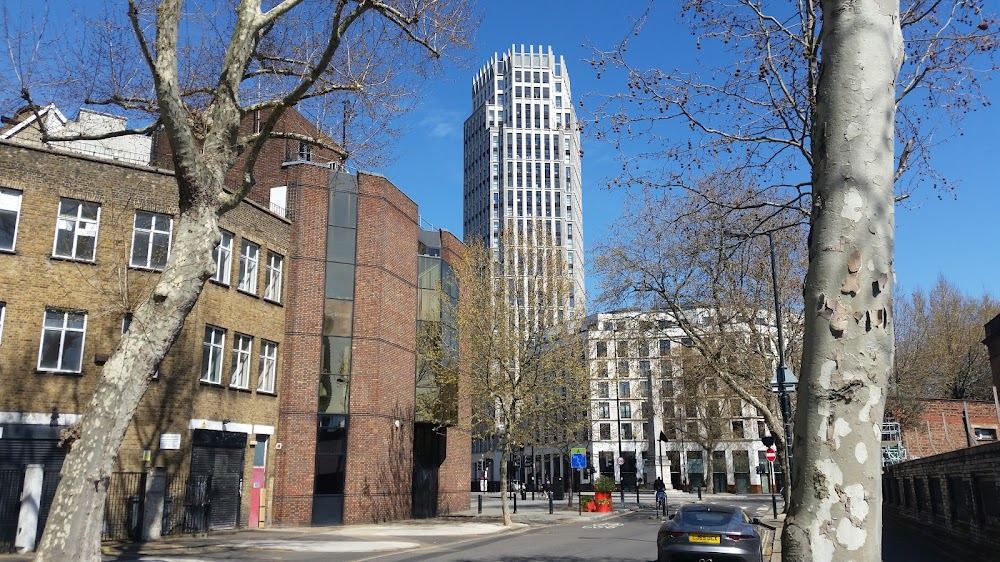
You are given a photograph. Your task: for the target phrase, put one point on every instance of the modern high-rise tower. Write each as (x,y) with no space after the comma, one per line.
(522,157)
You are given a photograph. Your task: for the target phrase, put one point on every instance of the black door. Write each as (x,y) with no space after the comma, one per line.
(429,446)
(216,478)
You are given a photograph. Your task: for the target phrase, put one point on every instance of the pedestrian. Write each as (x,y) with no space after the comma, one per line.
(548,489)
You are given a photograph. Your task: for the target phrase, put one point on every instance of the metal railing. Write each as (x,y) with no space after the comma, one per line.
(123,508)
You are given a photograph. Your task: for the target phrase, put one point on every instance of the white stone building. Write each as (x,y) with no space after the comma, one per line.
(640,390)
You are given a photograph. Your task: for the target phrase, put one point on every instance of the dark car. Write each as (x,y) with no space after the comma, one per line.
(706,531)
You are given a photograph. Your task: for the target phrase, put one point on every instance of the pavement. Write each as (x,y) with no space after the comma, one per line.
(401,535)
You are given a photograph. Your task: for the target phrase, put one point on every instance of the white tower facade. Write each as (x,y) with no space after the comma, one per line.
(522,157)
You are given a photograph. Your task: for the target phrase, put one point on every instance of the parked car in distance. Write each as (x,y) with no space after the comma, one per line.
(707,531)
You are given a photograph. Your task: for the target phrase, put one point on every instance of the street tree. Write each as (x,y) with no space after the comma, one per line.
(809,106)
(939,350)
(195,71)
(681,255)
(520,341)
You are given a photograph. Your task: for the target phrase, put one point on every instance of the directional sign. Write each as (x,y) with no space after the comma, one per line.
(770,455)
(578,458)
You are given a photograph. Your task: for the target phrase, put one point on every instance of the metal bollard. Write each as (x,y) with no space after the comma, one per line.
(514,495)
(550,504)
(480,496)
(664,504)
(637,495)
(699,493)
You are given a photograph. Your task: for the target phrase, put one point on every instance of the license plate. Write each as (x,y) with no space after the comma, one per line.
(704,539)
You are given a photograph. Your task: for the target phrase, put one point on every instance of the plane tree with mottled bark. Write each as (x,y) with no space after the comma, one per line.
(801,112)
(195,71)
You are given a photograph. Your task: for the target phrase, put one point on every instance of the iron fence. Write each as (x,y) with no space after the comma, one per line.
(124,506)
(11,482)
(173,504)
(196,503)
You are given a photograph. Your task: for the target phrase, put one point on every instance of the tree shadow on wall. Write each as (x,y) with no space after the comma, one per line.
(387,496)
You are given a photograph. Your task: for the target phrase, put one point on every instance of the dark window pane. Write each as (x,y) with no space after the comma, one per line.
(339,281)
(73,352)
(344,209)
(8,223)
(329,474)
(340,244)
(50,350)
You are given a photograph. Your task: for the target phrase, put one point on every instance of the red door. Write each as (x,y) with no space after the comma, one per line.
(257,516)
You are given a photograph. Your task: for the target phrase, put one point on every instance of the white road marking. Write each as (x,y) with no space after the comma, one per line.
(603,526)
(327,546)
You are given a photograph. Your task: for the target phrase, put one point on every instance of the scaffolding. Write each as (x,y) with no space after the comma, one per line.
(892,443)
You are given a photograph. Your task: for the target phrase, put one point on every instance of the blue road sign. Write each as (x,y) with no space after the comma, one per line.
(578,459)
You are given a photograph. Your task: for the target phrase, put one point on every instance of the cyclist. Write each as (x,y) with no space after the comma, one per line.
(661,493)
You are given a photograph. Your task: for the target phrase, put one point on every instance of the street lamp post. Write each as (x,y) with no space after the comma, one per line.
(618,415)
(783,395)
(782,373)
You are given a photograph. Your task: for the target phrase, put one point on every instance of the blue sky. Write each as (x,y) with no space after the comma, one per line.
(949,237)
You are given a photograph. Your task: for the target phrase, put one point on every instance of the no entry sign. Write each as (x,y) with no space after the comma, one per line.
(770,455)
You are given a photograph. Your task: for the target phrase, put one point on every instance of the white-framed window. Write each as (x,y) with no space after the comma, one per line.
(223,256)
(272,287)
(10,212)
(211,357)
(63,334)
(242,347)
(151,240)
(249,254)
(76,230)
(268,369)
(3,312)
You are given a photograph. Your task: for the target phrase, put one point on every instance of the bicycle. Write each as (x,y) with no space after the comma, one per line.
(661,500)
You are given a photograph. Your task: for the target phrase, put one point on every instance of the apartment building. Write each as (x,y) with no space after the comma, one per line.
(657,413)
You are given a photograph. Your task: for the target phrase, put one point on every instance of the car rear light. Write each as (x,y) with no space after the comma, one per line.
(738,537)
(675,534)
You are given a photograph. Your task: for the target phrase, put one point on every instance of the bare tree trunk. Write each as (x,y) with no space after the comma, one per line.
(74,530)
(835,512)
(504,504)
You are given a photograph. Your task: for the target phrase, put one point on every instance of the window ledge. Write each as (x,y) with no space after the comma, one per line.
(210,384)
(61,373)
(267,393)
(248,293)
(219,283)
(240,389)
(11,251)
(145,268)
(71,259)
(274,302)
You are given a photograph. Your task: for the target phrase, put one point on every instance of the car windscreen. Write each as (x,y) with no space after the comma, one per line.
(706,518)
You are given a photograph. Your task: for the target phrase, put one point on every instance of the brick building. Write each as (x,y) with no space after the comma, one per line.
(86,239)
(947,425)
(295,372)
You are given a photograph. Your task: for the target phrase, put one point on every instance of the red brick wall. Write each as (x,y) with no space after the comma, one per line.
(299,386)
(380,455)
(942,428)
(268,170)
